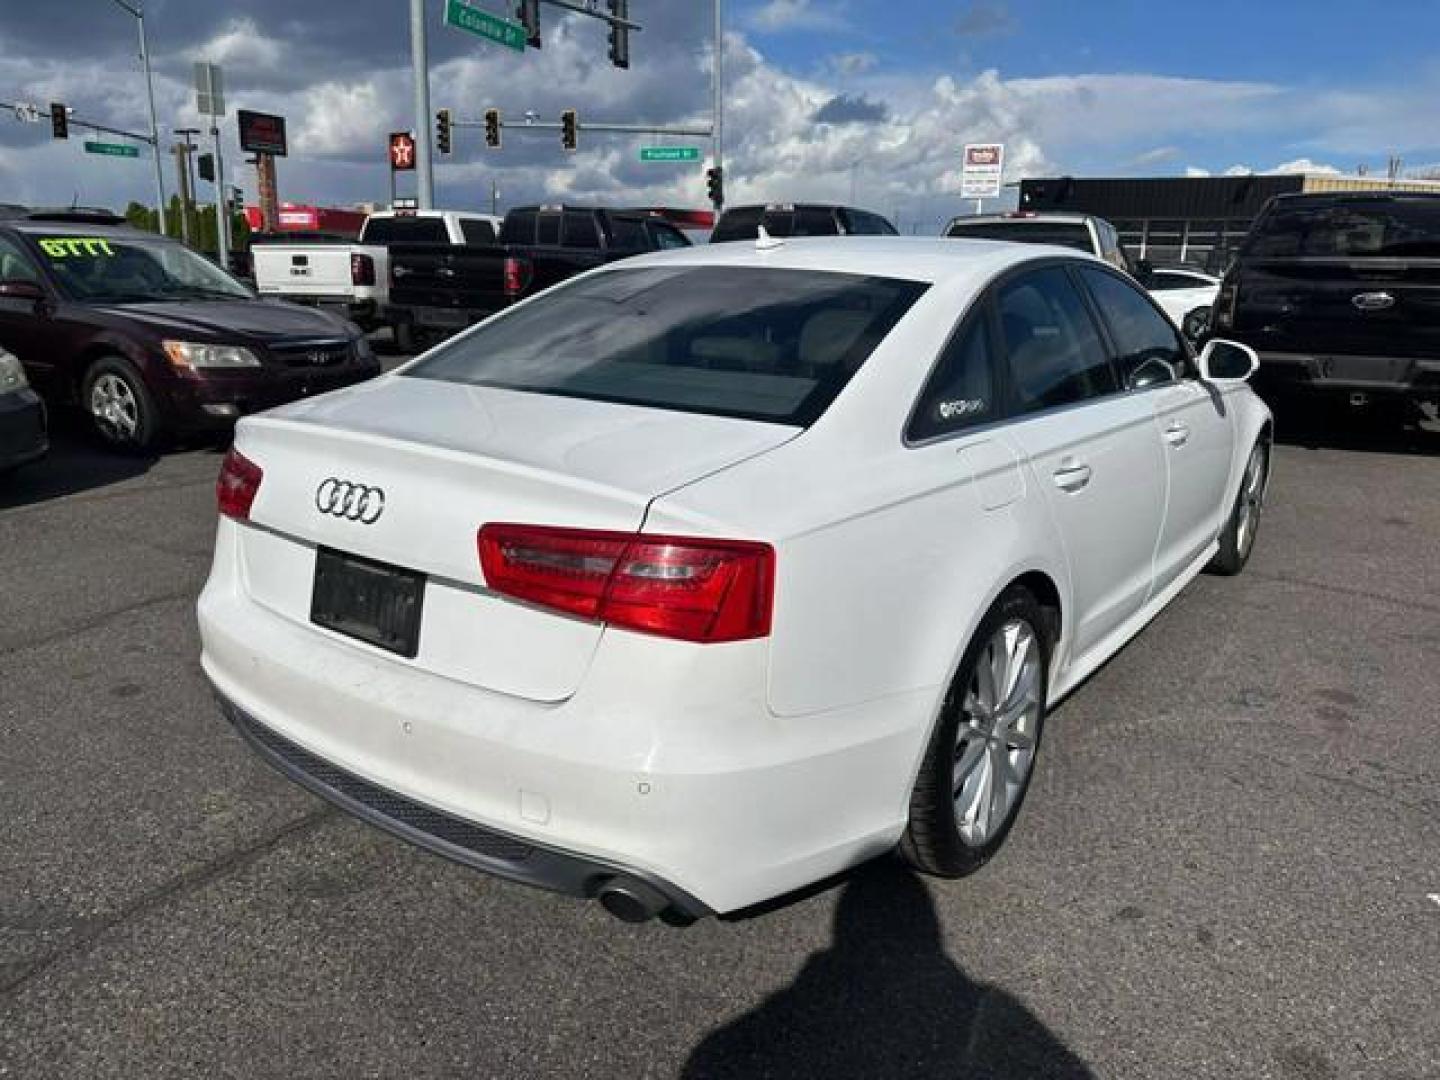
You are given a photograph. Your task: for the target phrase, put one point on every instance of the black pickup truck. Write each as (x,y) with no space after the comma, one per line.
(1340,295)
(439,289)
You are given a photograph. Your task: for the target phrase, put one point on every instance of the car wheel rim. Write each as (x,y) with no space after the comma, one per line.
(114,406)
(999,727)
(1252,490)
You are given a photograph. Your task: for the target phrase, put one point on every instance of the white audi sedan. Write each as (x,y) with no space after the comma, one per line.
(711,573)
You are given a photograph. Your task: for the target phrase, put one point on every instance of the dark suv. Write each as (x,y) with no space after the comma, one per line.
(1340,296)
(151,339)
(798,219)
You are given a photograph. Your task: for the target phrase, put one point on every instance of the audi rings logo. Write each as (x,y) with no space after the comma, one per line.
(353,502)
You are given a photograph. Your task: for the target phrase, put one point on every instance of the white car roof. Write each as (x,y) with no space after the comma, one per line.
(913,258)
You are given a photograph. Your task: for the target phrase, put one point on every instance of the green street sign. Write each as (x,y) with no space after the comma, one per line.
(110,149)
(669,153)
(482,24)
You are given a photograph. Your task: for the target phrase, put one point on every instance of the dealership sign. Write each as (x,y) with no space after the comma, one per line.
(981,169)
(261,133)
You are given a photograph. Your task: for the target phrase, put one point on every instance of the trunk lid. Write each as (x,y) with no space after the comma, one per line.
(1345,306)
(448,459)
(303,270)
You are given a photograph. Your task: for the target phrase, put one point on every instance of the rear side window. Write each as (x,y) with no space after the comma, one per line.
(1380,228)
(1148,350)
(518,227)
(627,234)
(1065,234)
(962,391)
(812,221)
(581,231)
(864,223)
(741,224)
(1166,281)
(1054,350)
(758,343)
(477,231)
(405,230)
(667,236)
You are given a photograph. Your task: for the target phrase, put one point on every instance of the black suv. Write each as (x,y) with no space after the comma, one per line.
(151,339)
(1340,296)
(798,219)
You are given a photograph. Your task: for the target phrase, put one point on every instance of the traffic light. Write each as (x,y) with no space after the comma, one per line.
(207,167)
(442,131)
(569,128)
(492,128)
(620,35)
(715,185)
(530,19)
(59,120)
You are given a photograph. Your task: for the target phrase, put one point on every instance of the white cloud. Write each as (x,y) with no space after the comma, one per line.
(780,15)
(1302,165)
(243,47)
(855,63)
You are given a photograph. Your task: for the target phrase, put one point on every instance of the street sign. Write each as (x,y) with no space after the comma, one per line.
(261,133)
(209,89)
(402,151)
(981,169)
(110,149)
(482,24)
(669,153)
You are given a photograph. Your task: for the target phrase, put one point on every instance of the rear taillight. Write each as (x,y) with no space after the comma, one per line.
(237,486)
(692,588)
(1224,317)
(362,269)
(517,276)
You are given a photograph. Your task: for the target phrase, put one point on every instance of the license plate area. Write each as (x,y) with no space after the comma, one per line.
(370,601)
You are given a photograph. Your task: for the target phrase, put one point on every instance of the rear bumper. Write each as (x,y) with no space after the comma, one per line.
(22,428)
(665,763)
(496,853)
(436,317)
(1417,377)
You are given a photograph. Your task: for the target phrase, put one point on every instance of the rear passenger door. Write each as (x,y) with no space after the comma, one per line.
(1190,418)
(1092,451)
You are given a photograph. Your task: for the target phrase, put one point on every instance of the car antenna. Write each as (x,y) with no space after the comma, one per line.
(765,242)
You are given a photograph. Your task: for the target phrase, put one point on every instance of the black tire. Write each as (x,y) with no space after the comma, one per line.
(933,842)
(147,430)
(409,338)
(1237,543)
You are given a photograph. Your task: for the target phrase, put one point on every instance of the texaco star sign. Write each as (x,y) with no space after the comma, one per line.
(402,150)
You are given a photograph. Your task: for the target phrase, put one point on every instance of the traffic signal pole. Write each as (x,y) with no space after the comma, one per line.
(420,61)
(718,102)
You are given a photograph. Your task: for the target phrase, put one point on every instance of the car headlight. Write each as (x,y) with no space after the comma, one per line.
(12,375)
(190,354)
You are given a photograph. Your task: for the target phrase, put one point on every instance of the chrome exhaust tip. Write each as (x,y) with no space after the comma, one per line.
(631,900)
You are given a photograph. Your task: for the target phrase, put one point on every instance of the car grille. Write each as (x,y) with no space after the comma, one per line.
(381,803)
(313,355)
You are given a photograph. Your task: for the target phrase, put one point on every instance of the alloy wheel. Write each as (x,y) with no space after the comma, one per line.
(1252,490)
(997,734)
(114,406)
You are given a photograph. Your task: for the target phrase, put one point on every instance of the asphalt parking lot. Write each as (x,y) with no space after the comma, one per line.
(1228,866)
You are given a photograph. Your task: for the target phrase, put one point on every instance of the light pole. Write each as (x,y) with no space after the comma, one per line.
(425,193)
(150,94)
(718,89)
(188,200)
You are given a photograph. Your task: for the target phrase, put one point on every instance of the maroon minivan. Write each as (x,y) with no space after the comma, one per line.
(152,340)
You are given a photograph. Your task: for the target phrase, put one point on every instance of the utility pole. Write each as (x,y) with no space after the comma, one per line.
(222,197)
(420,61)
(139,16)
(494,197)
(188,192)
(718,101)
(182,176)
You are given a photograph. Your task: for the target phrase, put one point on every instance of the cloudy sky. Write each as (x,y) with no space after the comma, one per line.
(826,99)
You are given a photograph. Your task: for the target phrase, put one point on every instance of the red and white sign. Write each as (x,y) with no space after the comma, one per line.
(981,170)
(402,151)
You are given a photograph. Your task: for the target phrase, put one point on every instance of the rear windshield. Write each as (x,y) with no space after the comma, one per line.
(762,344)
(405,230)
(1065,234)
(1384,227)
(744,223)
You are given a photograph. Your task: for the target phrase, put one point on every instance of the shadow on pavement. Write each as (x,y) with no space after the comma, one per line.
(884,1000)
(1323,424)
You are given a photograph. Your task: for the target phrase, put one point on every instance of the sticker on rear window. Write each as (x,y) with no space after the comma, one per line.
(63,247)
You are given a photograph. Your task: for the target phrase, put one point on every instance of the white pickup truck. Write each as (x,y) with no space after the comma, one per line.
(354,279)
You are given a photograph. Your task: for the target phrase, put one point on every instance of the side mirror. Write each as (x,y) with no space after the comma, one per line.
(21,289)
(1227,363)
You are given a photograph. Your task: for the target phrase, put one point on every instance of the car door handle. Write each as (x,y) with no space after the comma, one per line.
(1177,434)
(1072,476)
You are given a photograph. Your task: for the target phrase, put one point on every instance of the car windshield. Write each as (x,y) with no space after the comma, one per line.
(1065,234)
(116,269)
(758,343)
(1379,229)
